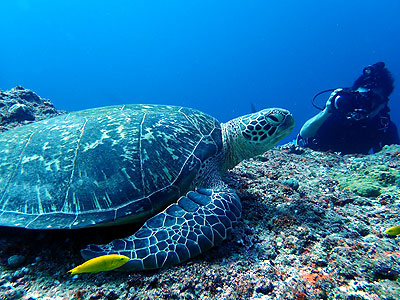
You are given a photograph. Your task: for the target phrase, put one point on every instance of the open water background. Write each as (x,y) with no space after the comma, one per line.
(216,56)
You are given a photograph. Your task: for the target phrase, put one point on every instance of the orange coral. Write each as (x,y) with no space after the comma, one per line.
(312,278)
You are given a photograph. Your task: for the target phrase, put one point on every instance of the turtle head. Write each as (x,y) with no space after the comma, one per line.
(253,134)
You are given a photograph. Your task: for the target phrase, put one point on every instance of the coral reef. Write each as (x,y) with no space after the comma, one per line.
(309,231)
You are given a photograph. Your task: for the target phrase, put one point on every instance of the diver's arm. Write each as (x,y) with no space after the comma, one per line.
(311,127)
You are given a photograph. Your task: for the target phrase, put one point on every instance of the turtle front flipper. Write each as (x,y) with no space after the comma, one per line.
(183,230)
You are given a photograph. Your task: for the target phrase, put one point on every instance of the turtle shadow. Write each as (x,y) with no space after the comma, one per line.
(56,243)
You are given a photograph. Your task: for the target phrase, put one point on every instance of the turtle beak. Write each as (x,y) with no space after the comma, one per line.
(287,125)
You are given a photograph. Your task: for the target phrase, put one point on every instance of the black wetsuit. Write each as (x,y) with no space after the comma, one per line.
(338,134)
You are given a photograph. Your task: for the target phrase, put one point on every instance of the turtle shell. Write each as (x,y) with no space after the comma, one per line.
(106,165)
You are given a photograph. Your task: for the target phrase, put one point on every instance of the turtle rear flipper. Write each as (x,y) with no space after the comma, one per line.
(183,230)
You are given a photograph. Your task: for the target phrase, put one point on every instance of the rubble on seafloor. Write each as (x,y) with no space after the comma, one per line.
(312,228)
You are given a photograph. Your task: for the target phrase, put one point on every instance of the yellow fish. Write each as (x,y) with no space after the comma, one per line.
(395,230)
(100,263)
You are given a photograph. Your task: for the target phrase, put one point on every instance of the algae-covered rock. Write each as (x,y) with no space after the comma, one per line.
(371,181)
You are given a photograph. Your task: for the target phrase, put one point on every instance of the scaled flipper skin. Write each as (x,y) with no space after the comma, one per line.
(183,230)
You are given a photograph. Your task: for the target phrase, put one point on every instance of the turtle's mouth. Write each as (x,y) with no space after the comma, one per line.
(289,123)
(285,128)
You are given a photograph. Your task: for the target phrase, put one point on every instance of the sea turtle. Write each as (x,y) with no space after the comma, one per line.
(130,163)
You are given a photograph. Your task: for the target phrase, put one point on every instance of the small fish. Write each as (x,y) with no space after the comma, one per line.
(395,230)
(101,263)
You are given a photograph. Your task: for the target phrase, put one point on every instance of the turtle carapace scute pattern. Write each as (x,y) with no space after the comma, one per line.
(156,164)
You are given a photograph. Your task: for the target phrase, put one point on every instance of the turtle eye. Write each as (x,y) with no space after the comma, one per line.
(263,125)
(274,118)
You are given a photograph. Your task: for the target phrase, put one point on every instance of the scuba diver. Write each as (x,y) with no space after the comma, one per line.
(356,119)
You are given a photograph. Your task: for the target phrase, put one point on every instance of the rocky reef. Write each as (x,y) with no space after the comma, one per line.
(20,106)
(312,228)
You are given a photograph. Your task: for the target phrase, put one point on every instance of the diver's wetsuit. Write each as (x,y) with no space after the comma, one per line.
(338,134)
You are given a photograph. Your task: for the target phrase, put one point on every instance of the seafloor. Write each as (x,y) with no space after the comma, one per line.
(312,228)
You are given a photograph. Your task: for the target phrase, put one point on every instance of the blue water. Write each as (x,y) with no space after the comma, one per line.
(217,56)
